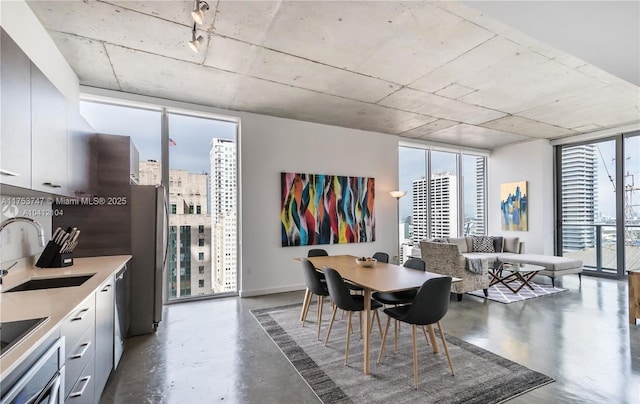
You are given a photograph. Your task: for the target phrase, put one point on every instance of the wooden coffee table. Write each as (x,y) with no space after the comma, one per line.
(509,272)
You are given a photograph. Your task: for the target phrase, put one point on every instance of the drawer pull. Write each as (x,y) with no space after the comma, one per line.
(84,347)
(80,315)
(106,288)
(51,184)
(9,173)
(84,380)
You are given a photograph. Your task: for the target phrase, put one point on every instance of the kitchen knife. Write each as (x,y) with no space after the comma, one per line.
(55,233)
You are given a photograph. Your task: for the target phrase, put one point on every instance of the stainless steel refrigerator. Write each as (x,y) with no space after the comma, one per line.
(149,238)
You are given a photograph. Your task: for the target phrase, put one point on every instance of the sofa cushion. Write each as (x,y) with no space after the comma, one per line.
(549,262)
(483,244)
(497,244)
(460,242)
(511,244)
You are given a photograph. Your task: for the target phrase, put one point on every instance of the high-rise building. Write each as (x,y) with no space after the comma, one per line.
(419,210)
(444,205)
(443,212)
(479,227)
(189,255)
(579,196)
(224,214)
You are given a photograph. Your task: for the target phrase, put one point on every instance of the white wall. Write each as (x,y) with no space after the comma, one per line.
(270,146)
(25,29)
(532,162)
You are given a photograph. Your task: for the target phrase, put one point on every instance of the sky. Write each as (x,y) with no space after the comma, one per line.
(192,135)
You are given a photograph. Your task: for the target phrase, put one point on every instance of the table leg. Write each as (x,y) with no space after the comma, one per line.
(367,321)
(525,280)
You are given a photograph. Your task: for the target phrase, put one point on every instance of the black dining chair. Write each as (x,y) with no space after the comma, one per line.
(404,296)
(343,299)
(317,252)
(400,297)
(315,286)
(428,308)
(381,257)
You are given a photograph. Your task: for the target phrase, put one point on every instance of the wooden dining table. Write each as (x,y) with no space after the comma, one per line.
(382,277)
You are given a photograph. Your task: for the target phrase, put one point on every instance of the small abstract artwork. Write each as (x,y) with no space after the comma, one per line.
(514,205)
(326,209)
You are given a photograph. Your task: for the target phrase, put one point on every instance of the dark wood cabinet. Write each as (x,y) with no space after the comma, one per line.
(82,167)
(15,140)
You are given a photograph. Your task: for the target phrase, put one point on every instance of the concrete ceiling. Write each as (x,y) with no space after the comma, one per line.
(438,71)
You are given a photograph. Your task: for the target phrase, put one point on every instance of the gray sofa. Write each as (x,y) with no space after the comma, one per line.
(509,249)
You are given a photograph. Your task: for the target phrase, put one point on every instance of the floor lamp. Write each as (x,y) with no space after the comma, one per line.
(398,195)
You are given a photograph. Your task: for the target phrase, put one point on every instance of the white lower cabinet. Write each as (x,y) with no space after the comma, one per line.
(79,332)
(88,333)
(105,309)
(83,391)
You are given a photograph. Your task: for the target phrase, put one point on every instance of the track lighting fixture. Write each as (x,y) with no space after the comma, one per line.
(199,9)
(194,43)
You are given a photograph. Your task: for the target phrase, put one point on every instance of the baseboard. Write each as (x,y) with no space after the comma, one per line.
(271,291)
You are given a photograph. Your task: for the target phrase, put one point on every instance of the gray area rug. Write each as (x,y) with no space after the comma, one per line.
(480,376)
(502,294)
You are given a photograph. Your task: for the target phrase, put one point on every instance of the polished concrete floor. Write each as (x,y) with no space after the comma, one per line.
(214,351)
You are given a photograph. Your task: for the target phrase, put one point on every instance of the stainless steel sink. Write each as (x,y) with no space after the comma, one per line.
(50,283)
(12,332)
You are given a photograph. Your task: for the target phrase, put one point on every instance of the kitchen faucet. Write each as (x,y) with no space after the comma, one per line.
(32,222)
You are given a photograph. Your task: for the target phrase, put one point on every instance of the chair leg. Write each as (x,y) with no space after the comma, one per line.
(305,305)
(459,297)
(553,282)
(415,356)
(432,337)
(486,292)
(424,331)
(320,307)
(396,329)
(446,348)
(333,317)
(360,317)
(376,316)
(384,338)
(346,350)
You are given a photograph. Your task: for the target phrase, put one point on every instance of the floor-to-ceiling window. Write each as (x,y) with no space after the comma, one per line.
(203,187)
(445,194)
(598,204)
(631,173)
(195,157)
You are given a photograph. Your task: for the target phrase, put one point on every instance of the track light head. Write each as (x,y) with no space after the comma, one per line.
(195,42)
(200,8)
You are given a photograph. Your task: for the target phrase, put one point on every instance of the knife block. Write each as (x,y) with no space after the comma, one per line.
(62,260)
(52,258)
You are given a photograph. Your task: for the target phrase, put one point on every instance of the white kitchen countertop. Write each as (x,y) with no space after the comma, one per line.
(56,304)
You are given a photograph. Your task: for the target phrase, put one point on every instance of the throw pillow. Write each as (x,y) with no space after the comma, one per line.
(483,244)
(512,244)
(497,244)
(460,242)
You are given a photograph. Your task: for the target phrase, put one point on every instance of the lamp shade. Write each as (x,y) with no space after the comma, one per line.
(398,194)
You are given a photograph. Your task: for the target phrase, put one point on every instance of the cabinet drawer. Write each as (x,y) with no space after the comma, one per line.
(78,357)
(78,322)
(83,390)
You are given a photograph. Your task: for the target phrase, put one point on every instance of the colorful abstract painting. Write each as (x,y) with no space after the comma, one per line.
(326,209)
(514,204)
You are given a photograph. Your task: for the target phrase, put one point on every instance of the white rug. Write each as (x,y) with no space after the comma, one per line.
(502,294)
